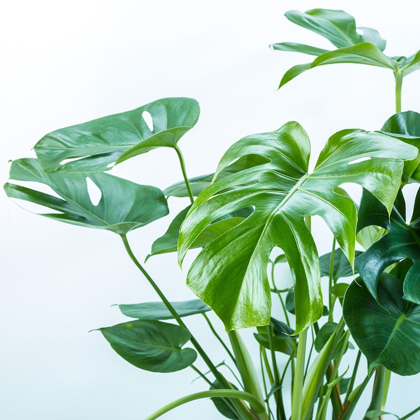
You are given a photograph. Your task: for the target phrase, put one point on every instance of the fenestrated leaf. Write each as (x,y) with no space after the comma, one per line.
(342,267)
(158,310)
(388,332)
(402,241)
(123,206)
(354,45)
(335,25)
(201,182)
(365,53)
(282,192)
(151,345)
(99,143)
(290,303)
(168,242)
(406,127)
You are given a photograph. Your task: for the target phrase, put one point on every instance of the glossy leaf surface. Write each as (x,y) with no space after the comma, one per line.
(99,143)
(401,241)
(406,127)
(151,345)
(230,274)
(158,310)
(123,205)
(388,332)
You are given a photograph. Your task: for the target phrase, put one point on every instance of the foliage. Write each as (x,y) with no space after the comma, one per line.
(261,199)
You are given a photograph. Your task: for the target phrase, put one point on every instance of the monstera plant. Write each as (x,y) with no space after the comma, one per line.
(253,214)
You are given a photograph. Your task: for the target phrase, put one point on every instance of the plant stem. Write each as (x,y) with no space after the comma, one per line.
(278,394)
(353,400)
(411,413)
(298,382)
(398,87)
(278,292)
(201,374)
(213,393)
(184,173)
(219,338)
(221,379)
(247,370)
(386,388)
(353,377)
(378,390)
(331,279)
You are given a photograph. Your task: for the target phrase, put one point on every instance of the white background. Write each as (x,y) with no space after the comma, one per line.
(64,63)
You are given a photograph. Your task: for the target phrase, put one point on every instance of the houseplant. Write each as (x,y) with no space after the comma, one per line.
(261,197)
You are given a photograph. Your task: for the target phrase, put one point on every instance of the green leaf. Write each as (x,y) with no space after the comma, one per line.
(339,289)
(324,334)
(100,143)
(282,337)
(301,48)
(158,310)
(151,345)
(335,25)
(290,303)
(405,126)
(402,241)
(123,206)
(168,242)
(201,182)
(342,267)
(377,414)
(221,405)
(283,192)
(387,331)
(364,53)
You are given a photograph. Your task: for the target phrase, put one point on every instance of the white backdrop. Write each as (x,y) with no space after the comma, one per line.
(68,62)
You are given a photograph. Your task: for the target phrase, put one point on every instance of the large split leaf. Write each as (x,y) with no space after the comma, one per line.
(354,45)
(388,332)
(406,127)
(151,345)
(401,241)
(159,311)
(230,274)
(123,206)
(100,143)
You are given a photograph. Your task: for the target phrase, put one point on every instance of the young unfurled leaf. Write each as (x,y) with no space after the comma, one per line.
(96,145)
(123,205)
(151,345)
(386,332)
(402,241)
(354,45)
(230,274)
(159,311)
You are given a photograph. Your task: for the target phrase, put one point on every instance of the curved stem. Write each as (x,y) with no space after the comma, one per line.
(216,393)
(221,379)
(398,88)
(353,377)
(298,382)
(411,413)
(219,338)
(201,374)
(378,390)
(184,173)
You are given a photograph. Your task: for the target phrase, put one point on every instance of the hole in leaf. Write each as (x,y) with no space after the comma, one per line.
(94,192)
(110,165)
(63,162)
(148,120)
(359,160)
